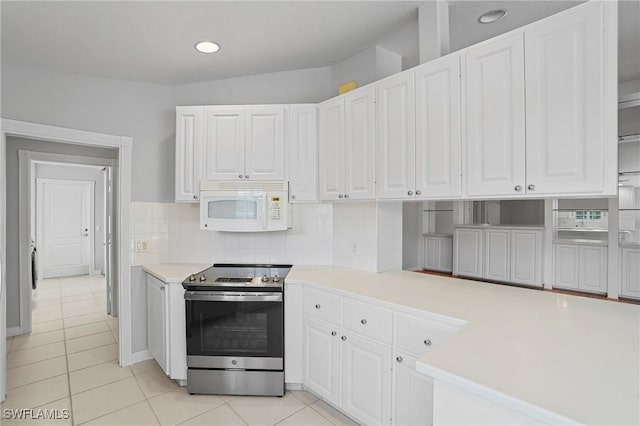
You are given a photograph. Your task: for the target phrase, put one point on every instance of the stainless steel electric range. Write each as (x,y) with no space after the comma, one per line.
(235,329)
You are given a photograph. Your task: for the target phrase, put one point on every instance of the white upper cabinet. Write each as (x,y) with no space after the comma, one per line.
(189,126)
(331,139)
(264,143)
(565,110)
(360,155)
(244,143)
(437,154)
(346,138)
(494,148)
(303,153)
(223,150)
(396,136)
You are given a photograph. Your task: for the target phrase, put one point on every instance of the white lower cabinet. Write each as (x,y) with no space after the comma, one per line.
(413,399)
(467,254)
(580,267)
(157,321)
(438,253)
(630,273)
(321,366)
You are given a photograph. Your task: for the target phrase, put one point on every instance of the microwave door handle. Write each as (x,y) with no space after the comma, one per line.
(265,211)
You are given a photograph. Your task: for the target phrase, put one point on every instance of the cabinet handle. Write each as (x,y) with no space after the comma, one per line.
(333,333)
(427,342)
(240,176)
(531,187)
(410,193)
(293,197)
(317,306)
(399,359)
(340,196)
(418,192)
(195,197)
(363,321)
(246,176)
(518,188)
(346,195)
(162,287)
(343,338)
(206,226)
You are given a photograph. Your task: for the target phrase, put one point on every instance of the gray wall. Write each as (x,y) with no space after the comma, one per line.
(522,212)
(366,67)
(145,112)
(411,234)
(13,249)
(93,174)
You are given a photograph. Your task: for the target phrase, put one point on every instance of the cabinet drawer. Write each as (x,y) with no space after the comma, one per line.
(417,336)
(321,304)
(368,321)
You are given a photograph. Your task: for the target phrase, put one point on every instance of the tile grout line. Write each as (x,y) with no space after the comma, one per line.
(66,357)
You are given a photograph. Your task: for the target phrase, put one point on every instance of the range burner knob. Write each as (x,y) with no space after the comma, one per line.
(276,279)
(192,277)
(203,278)
(264,278)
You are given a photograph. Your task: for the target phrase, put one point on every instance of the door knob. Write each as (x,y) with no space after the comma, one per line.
(418,192)
(531,187)
(399,359)
(518,188)
(409,192)
(240,176)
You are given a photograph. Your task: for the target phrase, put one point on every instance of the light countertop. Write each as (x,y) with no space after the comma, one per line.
(482,225)
(581,242)
(574,356)
(174,272)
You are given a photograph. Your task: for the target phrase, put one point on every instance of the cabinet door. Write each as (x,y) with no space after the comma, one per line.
(359,146)
(303,153)
(526,257)
(438,160)
(467,259)
(630,274)
(396,136)
(564,67)
(366,380)
(321,359)
(566,266)
(413,394)
(188,153)
(496,254)
(593,269)
(331,148)
(157,320)
(431,253)
(494,146)
(224,144)
(446,254)
(264,143)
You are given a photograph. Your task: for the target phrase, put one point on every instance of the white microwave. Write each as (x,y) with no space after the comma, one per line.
(245,206)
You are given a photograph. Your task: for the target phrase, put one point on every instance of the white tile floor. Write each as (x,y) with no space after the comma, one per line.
(69,362)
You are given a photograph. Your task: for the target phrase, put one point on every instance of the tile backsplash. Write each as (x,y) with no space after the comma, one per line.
(172,233)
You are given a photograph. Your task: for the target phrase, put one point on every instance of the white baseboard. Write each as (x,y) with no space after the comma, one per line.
(96,272)
(293,386)
(14,331)
(139,356)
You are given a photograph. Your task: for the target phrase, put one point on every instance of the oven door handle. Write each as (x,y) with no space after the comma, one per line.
(209,296)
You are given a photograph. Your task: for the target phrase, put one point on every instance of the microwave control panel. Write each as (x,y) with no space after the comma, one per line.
(275,208)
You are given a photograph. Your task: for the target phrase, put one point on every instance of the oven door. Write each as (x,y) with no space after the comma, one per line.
(238,212)
(238,330)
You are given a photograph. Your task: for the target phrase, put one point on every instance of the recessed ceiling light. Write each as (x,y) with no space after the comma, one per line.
(492,16)
(207,47)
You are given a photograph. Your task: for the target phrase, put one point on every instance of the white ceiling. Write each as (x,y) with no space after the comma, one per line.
(152,41)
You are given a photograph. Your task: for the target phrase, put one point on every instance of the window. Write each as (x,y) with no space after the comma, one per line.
(581,214)
(595,215)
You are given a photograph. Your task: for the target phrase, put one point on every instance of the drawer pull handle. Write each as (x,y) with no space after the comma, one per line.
(363,321)
(317,306)
(344,338)
(162,287)
(399,359)
(333,333)
(427,342)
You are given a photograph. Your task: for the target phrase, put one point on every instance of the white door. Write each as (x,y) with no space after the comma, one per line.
(438,160)
(223,149)
(264,143)
(396,136)
(360,147)
(413,394)
(331,148)
(566,264)
(494,147)
(467,255)
(526,257)
(321,351)
(565,114)
(66,224)
(366,380)
(630,274)
(157,308)
(188,153)
(496,254)
(303,153)
(593,269)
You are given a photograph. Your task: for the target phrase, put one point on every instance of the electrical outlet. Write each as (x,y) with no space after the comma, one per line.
(354,249)
(142,246)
